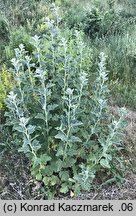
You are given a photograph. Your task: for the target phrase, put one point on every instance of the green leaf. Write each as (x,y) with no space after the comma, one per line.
(61,136)
(39,177)
(24,121)
(54,180)
(36,145)
(52,107)
(25,147)
(77,189)
(46,180)
(75,124)
(75,139)
(56,165)
(19,128)
(48,171)
(60,150)
(71,180)
(31,129)
(45,158)
(105,163)
(64,188)
(40,116)
(59,165)
(34,172)
(36,161)
(69,162)
(64,175)
(71,152)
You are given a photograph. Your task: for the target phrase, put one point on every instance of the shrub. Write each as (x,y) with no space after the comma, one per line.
(65,131)
(103,23)
(17,37)
(74,16)
(4,35)
(4,29)
(95,21)
(19,11)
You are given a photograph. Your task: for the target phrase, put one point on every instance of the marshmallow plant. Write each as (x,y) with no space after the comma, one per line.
(59,116)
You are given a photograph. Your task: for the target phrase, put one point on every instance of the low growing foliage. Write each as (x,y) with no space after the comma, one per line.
(64,130)
(5,85)
(17,37)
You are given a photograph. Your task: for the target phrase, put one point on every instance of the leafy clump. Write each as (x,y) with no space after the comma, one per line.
(4,30)
(5,85)
(95,21)
(64,129)
(17,37)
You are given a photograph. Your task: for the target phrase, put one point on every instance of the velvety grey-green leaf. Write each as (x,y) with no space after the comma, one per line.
(64,188)
(45,158)
(25,148)
(31,129)
(24,121)
(59,165)
(52,107)
(60,150)
(54,180)
(76,124)
(36,145)
(105,163)
(46,180)
(64,175)
(19,128)
(69,162)
(61,136)
(75,139)
(39,177)
(40,116)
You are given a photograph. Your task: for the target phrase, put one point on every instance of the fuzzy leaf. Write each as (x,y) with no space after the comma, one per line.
(64,175)
(71,180)
(76,124)
(36,162)
(31,129)
(60,150)
(19,128)
(40,116)
(52,107)
(36,145)
(46,180)
(69,162)
(24,121)
(54,180)
(39,177)
(61,136)
(48,171)
(105,163)
(75,139)
(59,164)
(64,188)
(45,158)
(25,147)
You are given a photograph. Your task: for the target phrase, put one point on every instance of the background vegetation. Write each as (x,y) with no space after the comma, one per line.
(82,51)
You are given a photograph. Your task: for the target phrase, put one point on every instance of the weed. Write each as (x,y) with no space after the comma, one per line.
(66,133)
